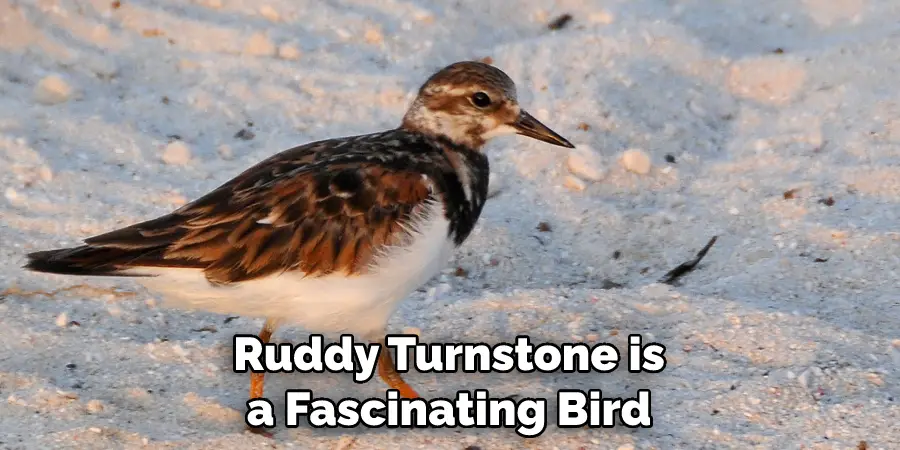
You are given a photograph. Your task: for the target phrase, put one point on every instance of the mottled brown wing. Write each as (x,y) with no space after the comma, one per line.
(316,219)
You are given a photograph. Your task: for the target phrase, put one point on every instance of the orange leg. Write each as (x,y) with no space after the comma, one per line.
(388,373)
(257,379)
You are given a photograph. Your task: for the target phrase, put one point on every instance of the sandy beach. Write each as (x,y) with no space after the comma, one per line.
(774,125)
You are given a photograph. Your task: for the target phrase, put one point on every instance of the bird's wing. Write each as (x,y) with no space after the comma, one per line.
(321,208)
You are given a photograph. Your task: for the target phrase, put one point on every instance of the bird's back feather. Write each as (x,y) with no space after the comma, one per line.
(325,207)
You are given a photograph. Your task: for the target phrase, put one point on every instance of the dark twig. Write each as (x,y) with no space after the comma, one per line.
(560,22)
(687,267)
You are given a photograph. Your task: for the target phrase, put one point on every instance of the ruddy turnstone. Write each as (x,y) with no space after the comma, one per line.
(330,235)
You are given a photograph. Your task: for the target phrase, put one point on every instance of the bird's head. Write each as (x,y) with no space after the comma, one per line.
(471,102)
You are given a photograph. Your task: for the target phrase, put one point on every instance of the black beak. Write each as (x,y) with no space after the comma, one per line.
(526,125)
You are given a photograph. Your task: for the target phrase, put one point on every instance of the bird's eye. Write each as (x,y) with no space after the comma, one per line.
(481,100)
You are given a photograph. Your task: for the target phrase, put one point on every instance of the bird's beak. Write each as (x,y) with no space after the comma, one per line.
(526,125)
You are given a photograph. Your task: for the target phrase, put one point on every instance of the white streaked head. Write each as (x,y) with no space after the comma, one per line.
(471,102)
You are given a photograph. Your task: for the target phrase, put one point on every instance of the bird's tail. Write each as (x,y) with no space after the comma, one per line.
(123,252)
(83,260)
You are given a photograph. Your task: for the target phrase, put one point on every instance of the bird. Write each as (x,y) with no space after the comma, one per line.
(331,235)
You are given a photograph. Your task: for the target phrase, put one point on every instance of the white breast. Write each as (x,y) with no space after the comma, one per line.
(360,304)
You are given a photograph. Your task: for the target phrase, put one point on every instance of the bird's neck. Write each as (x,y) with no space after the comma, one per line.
(466,176)
(439,124)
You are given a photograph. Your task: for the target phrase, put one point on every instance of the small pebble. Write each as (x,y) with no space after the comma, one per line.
(95,430)
(269,13)
(259,45)
(626,447)
(176,153)
(62,320)
(601,17)
(288,51)
(427,18)
(636,160)
(762,145)
(592,337)
(51,90)
(11,194)
(374,36)
(875,379)
(734,211)
(574,183)
(225,152)
(45,173)
(94,406)
(585,163)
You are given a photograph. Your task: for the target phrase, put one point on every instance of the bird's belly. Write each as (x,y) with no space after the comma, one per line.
(335,303)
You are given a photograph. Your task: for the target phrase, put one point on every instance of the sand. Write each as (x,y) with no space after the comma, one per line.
(774,125)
